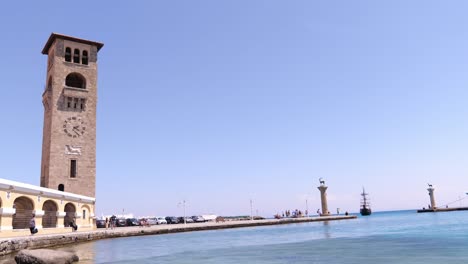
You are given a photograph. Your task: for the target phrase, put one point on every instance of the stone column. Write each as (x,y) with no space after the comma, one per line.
(60,218)
(92,220)
(7,218)
(39,214)
(79,219)
(431,196)
(323,197)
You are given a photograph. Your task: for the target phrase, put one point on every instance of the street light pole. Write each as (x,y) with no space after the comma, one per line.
(251,212)
(185,220)
(183,204)
(307,209)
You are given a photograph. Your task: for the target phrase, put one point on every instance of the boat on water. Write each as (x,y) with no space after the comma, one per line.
(365,204)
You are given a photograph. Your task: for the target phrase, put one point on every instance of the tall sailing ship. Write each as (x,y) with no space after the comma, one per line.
(365,204)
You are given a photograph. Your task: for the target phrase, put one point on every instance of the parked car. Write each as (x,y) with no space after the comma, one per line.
(172,220)
(120,222)
(100,223)
(153,221)
(161,221)
(198,219)
(132,222)
(188,220)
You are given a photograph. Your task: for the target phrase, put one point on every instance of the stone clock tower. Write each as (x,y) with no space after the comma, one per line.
(70,98)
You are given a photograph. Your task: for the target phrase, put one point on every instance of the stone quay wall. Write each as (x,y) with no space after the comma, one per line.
(12,245)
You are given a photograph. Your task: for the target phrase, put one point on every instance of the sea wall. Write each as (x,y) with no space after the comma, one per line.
(12,245)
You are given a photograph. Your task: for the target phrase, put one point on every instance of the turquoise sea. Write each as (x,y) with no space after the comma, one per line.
(383,237)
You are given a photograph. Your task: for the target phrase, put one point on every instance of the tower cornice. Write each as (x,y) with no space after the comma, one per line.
(55,36)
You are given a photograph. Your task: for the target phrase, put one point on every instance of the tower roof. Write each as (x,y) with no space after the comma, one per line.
(54,36)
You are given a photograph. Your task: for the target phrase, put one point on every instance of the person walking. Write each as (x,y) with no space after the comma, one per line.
(112,221)
(32,225)
(73,224)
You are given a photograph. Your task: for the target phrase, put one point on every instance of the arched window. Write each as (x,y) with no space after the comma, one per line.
(84,58)
(61,187)
(68,54)
(24,209)
(86,215)
(49,219)
(76,56)
(70,213)
(75,80)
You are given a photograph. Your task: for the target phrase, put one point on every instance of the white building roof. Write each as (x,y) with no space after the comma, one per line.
(36,190)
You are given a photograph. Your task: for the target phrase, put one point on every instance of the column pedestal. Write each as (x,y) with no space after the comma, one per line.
(431,196)
(323,198)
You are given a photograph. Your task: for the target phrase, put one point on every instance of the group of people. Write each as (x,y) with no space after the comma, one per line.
(144,222)
(110,222)
(295,213)
(299,213)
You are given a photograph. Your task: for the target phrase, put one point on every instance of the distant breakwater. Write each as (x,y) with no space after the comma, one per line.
(12,245)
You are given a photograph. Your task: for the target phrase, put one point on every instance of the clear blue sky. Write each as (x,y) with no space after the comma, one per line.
(219,102)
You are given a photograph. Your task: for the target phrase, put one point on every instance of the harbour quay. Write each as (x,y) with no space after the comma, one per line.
(449,209)
(433,208)
(12,245)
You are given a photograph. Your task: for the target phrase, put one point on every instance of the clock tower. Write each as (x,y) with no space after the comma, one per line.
(70,99)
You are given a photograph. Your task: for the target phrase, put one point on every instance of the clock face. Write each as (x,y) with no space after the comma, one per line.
(74,127)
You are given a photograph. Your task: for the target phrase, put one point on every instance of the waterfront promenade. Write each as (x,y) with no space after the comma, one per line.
(12,245)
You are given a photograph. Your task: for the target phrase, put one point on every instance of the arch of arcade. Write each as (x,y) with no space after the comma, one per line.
(53,209)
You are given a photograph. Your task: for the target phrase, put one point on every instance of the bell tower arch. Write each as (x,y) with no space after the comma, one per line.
(70,100)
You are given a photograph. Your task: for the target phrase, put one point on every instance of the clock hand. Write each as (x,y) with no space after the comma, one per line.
(76,132)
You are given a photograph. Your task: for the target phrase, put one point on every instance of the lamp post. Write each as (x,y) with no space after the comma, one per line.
(307,209)
(183,204)
(251,212)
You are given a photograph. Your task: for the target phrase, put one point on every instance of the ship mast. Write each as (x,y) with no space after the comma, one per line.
(364,198)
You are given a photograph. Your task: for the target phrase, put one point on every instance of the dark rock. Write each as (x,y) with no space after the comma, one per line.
(8,261)
(45,256)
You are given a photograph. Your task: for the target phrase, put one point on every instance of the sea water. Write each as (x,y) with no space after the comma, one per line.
(383,237)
